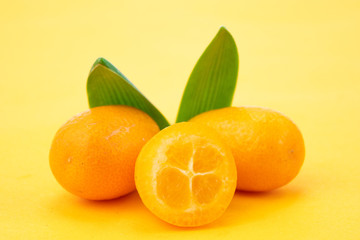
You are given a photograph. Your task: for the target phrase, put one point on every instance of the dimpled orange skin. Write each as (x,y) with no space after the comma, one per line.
(267,146)
(93,154)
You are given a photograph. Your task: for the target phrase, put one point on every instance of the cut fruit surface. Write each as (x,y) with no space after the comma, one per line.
(173,188)
(185,175)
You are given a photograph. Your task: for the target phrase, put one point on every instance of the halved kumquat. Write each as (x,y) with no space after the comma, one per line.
(185,175)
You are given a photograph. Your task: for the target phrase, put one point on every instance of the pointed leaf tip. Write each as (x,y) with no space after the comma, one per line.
(212,82)
(223,29)
(106,85)
(98,61)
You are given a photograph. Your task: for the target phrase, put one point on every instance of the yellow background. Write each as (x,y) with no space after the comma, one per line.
(299,57)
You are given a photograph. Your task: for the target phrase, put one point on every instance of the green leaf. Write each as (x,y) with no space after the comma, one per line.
(212,82)
(108,86)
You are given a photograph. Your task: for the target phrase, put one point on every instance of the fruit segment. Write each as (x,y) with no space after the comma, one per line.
(206,159)
(205,187)
(173,188)
(179,155)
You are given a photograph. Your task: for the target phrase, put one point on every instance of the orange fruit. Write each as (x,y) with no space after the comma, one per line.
(185,175)
(93,155)
(268,148)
